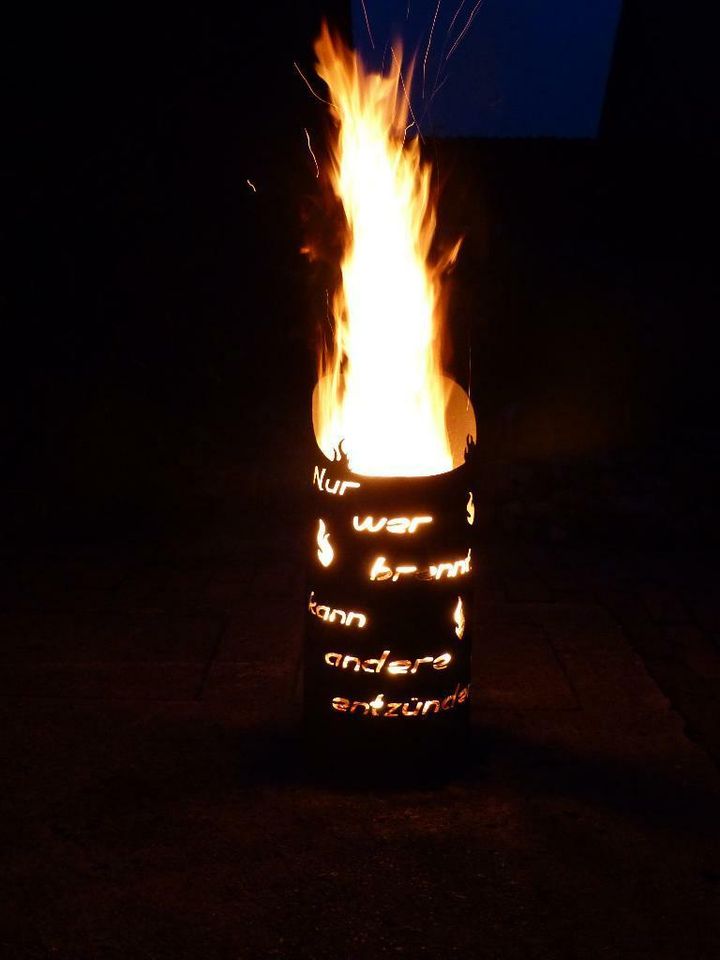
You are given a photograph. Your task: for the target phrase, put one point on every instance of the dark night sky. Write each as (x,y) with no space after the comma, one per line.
(525,68)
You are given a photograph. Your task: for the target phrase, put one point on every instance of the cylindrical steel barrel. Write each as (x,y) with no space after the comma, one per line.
(389,606)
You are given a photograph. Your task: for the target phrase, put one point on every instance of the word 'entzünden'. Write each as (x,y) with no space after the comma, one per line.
(410,708)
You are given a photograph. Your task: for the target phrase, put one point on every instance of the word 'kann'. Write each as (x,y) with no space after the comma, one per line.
(377,665)
(333,614)
(410,708)
(394,525)
(323,483)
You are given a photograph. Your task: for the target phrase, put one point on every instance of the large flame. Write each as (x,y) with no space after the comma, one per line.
(381,389)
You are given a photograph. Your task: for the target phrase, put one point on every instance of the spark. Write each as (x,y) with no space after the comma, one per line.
(427,51)
(251,185)
(437,86)
(317,168)
(402,82)
(457,14)
(367,23)
(464,29)
(327,309)
(307,84)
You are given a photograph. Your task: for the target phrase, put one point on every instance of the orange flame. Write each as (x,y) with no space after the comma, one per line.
(381,388)
(459,618)
(325,551)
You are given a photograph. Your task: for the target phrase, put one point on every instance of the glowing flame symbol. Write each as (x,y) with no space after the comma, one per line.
(377,704)
(459,618)
(325,551)
(470,508)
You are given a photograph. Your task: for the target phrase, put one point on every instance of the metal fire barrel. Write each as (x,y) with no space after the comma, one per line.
(389,612)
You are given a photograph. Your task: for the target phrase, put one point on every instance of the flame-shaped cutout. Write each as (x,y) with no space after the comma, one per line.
(325,551)
(470,508)
(459,618)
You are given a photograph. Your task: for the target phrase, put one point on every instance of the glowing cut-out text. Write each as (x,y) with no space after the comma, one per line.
(334,615)
(394,525)
(455,568)
(410,708)
(325,485)
(381,663)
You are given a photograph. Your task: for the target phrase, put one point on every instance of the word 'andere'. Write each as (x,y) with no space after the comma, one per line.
(377,665)
(333,614)
(410,708)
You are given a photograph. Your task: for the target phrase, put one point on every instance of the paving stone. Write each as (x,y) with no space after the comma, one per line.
(515,666)
(705,607)
(142,588)
(144,635)
(602,667)
(695,648)
(280,578)
(227,595)
(664,605)
(154,801)
(267,631)
(234,573)
(257,692)
(31,636)
(141,680)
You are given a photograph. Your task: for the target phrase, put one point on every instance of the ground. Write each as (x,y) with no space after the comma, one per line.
(156,805)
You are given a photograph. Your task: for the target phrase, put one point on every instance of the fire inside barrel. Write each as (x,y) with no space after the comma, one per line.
(389,606)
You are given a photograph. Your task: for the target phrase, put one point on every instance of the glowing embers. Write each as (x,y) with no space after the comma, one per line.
(381,663)
(470,509)
(325,552)
(436,571)
(410,708)
(334,615)
(334,487)
(394,525)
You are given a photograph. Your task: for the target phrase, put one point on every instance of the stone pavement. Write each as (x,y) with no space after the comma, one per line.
(154,804)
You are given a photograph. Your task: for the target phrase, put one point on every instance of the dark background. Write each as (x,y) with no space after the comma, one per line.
(151,295)
(158,351)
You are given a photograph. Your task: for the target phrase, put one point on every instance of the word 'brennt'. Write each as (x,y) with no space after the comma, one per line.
(394,525)
(410,708)
(381,571)
(323,483)
(333,614)
(373,665)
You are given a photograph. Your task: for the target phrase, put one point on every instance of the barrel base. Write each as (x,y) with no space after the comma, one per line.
(355,754)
